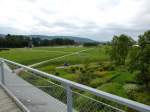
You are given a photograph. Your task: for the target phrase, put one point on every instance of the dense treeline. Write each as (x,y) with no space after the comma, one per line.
(89,44)
(15,41)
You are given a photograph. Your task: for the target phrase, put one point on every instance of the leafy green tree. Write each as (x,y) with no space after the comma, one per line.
(140,59)
(120,47)
(133,58)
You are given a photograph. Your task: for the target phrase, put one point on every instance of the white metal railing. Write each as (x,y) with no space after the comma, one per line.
(69,85)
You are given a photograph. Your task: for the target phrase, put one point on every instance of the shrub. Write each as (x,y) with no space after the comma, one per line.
(85,78)
(97,82)
(77,67)
(81,68)
(83,71)
(130,87)
(57,73)
(100,69)
(100,74)
(73,70)
(108,67)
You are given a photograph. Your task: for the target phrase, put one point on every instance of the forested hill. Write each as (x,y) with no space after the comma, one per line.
(76,39)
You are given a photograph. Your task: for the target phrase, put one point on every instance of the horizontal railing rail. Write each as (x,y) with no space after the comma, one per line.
(69,84)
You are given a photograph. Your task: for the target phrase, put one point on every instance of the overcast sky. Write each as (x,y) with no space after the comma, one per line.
(95,19)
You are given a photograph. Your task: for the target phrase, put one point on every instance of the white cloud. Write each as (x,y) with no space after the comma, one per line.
(97,19)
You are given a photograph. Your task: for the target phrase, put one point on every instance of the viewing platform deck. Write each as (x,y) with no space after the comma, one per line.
(33,98)
(6,103)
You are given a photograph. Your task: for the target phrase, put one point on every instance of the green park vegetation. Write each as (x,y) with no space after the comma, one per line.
(68,49)
(28,56)
(121,67)
(94,54)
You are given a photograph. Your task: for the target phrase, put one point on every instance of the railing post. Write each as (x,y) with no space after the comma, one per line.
(2,72)
(69,98)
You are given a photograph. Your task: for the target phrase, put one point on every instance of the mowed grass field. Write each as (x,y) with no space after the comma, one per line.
(29,56)
(68,49)
(96,54)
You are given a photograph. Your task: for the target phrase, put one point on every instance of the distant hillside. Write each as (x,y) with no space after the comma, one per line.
(2,35)
(76,39)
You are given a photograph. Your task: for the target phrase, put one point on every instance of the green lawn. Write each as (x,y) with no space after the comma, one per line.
(27,56)
(96,54)
(61,49)
(30,56)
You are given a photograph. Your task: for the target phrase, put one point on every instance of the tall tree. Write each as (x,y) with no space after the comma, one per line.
(120,48)
(133,57)
(141,61)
